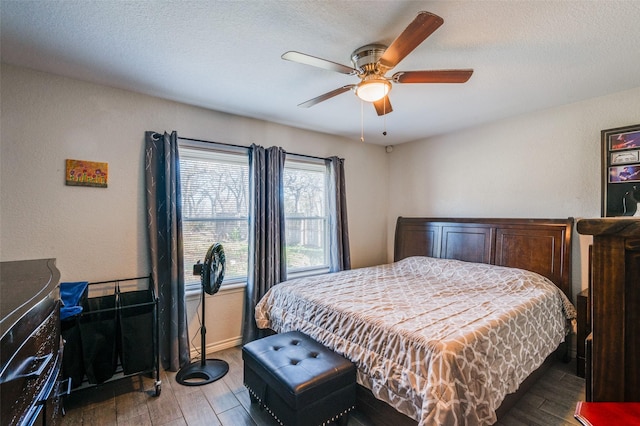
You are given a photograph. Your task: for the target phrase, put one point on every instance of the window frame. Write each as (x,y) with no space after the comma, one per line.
(301,162)
(239,154)
(233,154)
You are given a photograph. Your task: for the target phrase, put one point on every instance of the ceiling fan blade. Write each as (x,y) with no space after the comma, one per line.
(328,95)
(422,27)
(383,106)
(433,76)
(303,58)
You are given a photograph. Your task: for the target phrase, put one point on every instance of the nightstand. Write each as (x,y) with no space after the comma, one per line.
(584,328)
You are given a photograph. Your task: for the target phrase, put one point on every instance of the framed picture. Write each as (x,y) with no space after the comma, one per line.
(620,171)
(621,174)
(625,157)
(86,173)
(624,140)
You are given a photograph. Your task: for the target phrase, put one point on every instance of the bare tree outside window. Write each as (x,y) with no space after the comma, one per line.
(305,215)
(215,190)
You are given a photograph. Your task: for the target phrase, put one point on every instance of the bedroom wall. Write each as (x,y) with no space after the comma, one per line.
(540,165)
(99,234)
(545,164)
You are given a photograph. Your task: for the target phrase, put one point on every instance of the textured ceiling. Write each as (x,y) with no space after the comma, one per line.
(225,55)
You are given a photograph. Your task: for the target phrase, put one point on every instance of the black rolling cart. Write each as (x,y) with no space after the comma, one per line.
(116,334)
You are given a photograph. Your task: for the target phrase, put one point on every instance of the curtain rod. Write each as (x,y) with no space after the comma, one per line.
(246,147)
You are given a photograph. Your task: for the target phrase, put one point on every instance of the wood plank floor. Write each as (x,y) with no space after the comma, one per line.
(131,401)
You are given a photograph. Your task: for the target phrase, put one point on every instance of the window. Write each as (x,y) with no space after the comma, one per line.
(215,208)
(306,216)
(215,204)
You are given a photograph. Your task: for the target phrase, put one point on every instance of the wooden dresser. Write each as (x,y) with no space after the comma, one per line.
(613,368)
(30,348)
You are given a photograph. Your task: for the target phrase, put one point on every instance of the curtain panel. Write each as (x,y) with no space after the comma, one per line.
(267,262)
(340,255)
(164,223)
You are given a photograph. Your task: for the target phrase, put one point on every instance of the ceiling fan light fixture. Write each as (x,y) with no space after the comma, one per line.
(373,89)
(373,61)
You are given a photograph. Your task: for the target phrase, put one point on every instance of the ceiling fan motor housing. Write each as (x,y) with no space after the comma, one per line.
(365,58)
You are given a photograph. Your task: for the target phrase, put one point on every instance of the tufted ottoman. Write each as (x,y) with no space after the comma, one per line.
(299,381)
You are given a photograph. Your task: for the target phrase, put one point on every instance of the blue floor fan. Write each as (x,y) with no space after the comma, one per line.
(206,370)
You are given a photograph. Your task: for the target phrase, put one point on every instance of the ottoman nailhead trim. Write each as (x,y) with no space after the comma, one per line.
(326,422)
(264,405)
(333,419)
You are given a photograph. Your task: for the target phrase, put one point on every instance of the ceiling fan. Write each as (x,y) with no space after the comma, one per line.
(373,61)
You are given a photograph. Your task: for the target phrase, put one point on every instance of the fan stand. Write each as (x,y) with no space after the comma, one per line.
(205,371)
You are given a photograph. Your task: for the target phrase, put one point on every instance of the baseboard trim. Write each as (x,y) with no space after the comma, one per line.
(218,346)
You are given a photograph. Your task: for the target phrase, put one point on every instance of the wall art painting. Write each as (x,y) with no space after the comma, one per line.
(87,173)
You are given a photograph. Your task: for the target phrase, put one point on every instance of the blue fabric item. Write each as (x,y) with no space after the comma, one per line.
(70,294)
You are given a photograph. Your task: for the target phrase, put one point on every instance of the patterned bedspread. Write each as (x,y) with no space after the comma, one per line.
(442,341)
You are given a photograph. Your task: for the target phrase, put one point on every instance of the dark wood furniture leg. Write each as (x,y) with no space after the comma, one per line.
(583,327)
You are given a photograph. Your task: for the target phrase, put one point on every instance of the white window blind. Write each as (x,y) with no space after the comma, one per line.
(306,216)
(215,191)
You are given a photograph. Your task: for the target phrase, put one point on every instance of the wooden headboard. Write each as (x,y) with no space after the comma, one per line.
(538,245)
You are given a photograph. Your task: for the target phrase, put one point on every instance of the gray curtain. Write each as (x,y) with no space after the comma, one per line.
(267,263)
(339,245)
(164,222)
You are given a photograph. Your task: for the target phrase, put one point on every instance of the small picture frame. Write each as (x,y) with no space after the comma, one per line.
(624,140)
(625,157)
(620,148)
(86,173)
(622,174)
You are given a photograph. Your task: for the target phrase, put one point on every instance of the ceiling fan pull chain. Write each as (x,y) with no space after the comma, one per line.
(361,121)
(384,122)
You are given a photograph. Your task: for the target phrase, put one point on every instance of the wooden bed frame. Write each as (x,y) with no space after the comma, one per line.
(538,245)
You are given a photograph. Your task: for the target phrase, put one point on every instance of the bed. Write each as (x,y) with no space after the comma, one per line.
(468,310)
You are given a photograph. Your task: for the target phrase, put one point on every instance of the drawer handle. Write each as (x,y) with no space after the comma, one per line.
(31,368)
(38,365)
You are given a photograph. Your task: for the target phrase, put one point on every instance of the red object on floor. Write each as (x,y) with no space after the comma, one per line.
(608,413)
